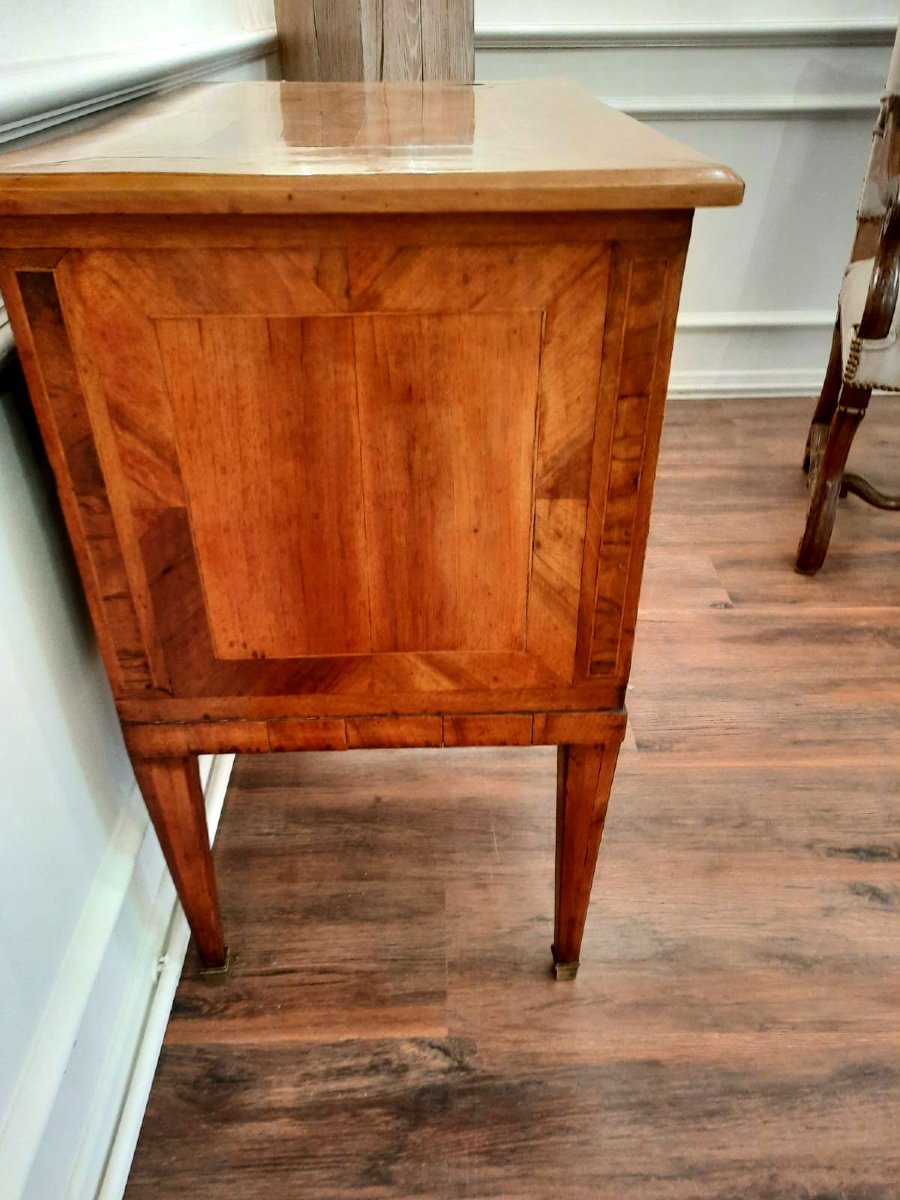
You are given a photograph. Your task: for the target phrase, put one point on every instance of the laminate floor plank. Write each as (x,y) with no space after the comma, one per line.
(391,1028)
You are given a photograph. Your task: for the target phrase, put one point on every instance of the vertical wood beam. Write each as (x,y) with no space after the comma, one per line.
(374,40)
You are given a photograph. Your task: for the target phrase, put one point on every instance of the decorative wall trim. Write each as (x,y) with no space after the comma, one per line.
(33,1098)
(38,96)
(730,384)
(141,1036)
(759,36)
(712,107)
(780,318)
(762,352)
(708,35)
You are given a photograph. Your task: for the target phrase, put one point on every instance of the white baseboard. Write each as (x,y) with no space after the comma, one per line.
(33,1096)
(145,1050)
(164,940)
(781,352)
(728,385)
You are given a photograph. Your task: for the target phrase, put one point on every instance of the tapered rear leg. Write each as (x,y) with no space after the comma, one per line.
(174,799)
(583,782)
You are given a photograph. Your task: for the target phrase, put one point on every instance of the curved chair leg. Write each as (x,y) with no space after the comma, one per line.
(826,476)
(828,402)
(857,486)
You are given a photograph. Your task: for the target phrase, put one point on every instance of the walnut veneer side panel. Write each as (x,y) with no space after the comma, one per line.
(392,493)
(485,419)
(357,464)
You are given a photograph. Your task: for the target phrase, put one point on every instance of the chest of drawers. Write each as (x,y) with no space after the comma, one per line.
(353,396)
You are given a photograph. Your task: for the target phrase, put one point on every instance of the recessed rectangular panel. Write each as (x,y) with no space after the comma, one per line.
(358,484)
(392,490)
(268,440)
(447,410)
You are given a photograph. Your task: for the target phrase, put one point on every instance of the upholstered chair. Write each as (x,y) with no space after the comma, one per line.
(865,350)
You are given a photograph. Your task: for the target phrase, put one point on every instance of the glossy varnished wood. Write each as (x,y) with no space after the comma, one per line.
(391,1029)
(342,482)
(344,147)
(173,795)
(477,500)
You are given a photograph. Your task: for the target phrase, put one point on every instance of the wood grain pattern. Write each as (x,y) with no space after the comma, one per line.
(466,698)
(27,239)
(174,798)
(357,490)
(410,442)
(162,739)
(554,729)
(245,148)
(375,732)
(466,729)
(446,441)
(389,516)
(391,1029)
(340,40)
(59,402)
(319,733)
(583,784)
(636,371)
(448,39)
(284,395)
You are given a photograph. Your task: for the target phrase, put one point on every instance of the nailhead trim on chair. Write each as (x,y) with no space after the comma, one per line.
(852,366)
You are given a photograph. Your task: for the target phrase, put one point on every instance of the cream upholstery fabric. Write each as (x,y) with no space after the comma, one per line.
(870,363)
(872,200)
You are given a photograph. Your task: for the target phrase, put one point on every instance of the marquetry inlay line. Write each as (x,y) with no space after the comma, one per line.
(124,632)
(636,372)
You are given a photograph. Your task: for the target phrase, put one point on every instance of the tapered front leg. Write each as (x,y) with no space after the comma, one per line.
(583,781)
(174,798)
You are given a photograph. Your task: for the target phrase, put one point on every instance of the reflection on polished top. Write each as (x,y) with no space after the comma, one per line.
(313,147)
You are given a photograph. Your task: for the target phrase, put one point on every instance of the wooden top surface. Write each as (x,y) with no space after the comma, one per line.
(311,147)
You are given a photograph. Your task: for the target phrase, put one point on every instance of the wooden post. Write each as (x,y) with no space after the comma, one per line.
(373,40)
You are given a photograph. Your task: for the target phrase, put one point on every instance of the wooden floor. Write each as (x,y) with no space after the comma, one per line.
(391,1028)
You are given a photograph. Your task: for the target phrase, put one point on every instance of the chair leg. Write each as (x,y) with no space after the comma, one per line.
(174,799)
(827,404)
(857,486)
(826,476)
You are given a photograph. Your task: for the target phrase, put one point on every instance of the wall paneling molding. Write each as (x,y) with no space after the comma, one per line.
(708,34)
(37,96)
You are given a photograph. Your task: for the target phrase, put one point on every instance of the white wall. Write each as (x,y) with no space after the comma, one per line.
(47,29)
(86,907)
(784,92)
